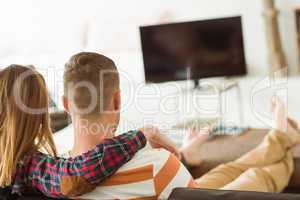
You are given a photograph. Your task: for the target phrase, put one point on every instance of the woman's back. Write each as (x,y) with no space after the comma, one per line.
(24,119)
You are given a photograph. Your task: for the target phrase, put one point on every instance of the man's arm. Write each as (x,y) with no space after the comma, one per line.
(58,177)
(116,152)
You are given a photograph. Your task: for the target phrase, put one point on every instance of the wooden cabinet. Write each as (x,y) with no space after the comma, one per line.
(297,15)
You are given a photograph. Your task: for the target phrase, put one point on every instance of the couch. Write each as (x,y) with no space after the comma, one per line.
(198,194)
(217,151)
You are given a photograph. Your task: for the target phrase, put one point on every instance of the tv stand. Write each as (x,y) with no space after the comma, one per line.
(221,87)
(227,85)
(196,84)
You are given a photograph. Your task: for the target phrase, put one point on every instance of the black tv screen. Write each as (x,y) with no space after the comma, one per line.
(193,50)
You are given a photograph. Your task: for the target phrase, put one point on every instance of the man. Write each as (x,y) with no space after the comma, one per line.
(63,178)
(92,79)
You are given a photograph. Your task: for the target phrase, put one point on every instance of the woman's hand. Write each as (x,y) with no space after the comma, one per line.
(158,140)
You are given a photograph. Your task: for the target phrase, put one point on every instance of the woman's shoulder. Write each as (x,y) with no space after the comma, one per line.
(39,159)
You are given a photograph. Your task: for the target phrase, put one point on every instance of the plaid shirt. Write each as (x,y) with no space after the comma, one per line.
(44,173)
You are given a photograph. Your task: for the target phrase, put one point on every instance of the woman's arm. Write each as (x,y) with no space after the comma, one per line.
(59,177)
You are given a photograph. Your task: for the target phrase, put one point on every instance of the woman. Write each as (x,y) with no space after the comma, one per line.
(28,153)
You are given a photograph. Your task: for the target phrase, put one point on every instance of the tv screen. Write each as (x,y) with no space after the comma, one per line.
(193,50)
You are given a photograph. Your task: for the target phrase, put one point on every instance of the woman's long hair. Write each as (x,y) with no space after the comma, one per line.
(24,119)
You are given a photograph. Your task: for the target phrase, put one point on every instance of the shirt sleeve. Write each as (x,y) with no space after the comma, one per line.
(116,152)
(48,174)
(170,175)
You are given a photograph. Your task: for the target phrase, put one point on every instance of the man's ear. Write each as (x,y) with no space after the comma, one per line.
(117,100)
(65,103)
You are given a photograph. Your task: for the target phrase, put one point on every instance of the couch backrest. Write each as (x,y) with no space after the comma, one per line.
(196,194)
(5,194)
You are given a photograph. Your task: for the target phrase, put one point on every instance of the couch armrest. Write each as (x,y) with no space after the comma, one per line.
(295,180)
(59,120)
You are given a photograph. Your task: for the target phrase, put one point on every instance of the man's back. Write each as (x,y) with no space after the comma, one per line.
(151,174)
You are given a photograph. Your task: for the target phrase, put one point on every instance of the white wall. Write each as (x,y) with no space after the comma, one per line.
(56,28)
(122,33)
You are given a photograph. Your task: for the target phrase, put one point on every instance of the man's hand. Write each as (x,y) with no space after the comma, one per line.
(158,140)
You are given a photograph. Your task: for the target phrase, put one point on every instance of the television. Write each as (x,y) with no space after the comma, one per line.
(193,50)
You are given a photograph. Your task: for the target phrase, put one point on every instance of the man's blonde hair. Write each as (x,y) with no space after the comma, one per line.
(95,70)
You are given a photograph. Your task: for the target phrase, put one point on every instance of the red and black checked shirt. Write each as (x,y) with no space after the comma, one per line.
(44,173)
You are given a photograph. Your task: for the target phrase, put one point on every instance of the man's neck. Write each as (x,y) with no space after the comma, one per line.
(88,134)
